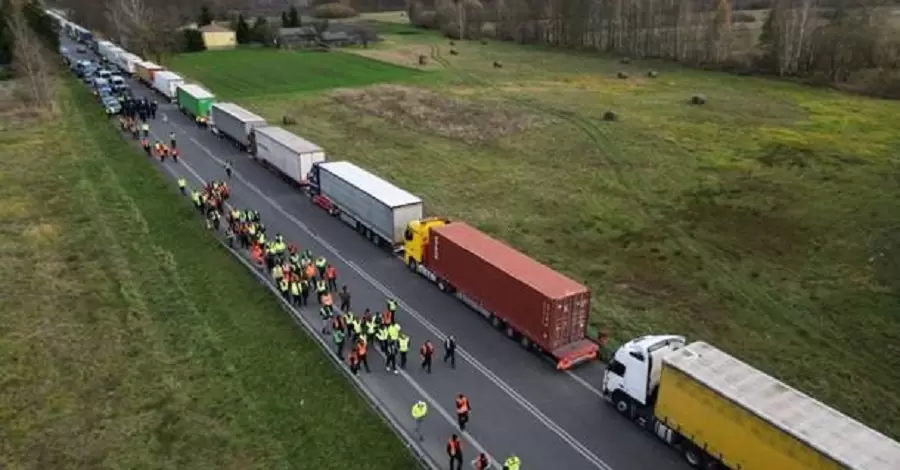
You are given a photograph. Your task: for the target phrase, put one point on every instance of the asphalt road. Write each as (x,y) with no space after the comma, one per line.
(520,404)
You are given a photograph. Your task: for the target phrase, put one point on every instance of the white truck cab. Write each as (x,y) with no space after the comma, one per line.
(633,374)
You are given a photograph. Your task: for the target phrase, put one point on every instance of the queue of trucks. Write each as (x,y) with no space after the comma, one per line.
(716,410)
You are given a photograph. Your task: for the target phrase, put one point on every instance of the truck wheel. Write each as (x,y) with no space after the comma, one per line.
(694,456)
(412,265)
(496,321)
(525,342)
(442,286)
(510,332)
(621,403)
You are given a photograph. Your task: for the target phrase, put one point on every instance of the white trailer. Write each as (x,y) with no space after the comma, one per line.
(379,210)
(167,82)
(291,154)
(128,62)
(103,48)
(235,123)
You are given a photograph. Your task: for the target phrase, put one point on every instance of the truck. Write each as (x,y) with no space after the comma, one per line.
(194,100)
(290,154)
(377,209)
(127,62)
(720,412)
(103,49)
(232,122)
(535,305)
(145,71)
(166,82)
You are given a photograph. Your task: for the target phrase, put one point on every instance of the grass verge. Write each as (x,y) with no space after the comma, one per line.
(245,73)
(131,339)
(761,221)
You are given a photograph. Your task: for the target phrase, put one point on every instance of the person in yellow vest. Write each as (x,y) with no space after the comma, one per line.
(349,320)
(382,337)
(512,463)
(393,333)
(284,287)
(403,348)
(321,289)
(295,292)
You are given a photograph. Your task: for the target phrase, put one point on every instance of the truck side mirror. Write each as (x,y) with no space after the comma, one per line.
(407,235)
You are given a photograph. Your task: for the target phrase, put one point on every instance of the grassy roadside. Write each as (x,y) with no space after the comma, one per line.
(131,340)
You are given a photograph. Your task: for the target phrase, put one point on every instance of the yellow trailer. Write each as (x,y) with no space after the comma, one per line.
(748,420)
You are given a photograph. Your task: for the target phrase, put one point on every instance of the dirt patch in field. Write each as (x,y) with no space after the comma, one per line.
(406,56)
(454,118)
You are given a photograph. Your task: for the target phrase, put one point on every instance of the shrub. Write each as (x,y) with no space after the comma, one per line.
(653,74)
(334,10)
(423,60)
(450,29)
(288,120)
(610,116)
(698,99)
(426,19)
(625,60)
(622,75)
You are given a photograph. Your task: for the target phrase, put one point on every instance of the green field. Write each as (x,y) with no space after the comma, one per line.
(246,73)
(762,221)
(131,339)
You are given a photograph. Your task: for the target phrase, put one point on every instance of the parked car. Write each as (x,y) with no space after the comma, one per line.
(81,49)
(112,105)
(118,83)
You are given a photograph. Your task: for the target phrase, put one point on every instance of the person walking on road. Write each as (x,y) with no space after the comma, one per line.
(512,463)
(345,299)
(403,349)
(450,351)
(362,352)
(391,357)
(419,412)
(172,140)
(392,307)
(482,462)
(426,352)
(325,314)
(353,360)
(337,335)
(331,277)
(462,411)
(228,169)
(454,451)
(182,185)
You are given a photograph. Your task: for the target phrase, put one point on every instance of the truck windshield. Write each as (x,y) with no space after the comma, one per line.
(616,367)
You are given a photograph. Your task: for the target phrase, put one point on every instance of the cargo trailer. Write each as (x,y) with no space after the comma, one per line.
(103,49)
(720,412)
(290,154)
(145,71)
(194,100)
(230,121)
(166,82)
(536,305)
(376,208)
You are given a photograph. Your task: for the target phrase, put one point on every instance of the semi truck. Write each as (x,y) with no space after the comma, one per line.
(194,100)
(127,62)
(290,154)
(377,209)
(232,122)
(541,308)
(145,71)
(166,82)
(720,412)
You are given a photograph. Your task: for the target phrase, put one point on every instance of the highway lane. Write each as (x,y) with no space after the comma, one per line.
(520,403)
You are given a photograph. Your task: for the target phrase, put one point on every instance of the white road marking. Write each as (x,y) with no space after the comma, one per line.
(490,375)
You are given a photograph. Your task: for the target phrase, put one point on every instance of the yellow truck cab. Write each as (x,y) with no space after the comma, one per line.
(415,241)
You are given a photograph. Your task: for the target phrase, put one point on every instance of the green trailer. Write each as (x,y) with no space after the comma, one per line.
(194,100)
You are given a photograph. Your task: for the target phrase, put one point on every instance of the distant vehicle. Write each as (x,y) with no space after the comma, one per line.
(232,122)
(118,83)
(104,73)
(81,49)
(112,105)
(99,83)
(722,413)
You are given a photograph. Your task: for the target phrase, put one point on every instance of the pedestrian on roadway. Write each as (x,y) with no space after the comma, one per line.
(392,307)
(172,139)
(345,299)
(512,463)
(419,412)
(450,350)
(391,357)
(182,185)
(462,411)
(337,335)
(353,360)
(426,351)
(454,451)
(325,314)
(331,277)
(362,352)
(228,169)
(403,349)
(482,462)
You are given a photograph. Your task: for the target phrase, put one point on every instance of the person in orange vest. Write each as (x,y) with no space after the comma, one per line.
(361,353)
(462,411)
(481,462)
(353,360)
(454,451)
(426,352)
(175,154)
(387,318)
(331,277)
(146,145)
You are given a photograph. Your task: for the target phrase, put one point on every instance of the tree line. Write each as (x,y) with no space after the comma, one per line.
(848,43)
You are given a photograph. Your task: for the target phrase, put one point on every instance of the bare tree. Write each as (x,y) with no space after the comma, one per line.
(30,61)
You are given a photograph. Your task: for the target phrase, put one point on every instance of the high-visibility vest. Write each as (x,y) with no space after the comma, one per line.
(512,463)
(357,327)
(382,335)
(283,285)
(361,348)
(370,326)
(321,287)
(276,272)
(454,447)
(394,332)
(419,410)
(462,405)
(324,312)
(295,289)
(404,344)
(387,317)
(331,273)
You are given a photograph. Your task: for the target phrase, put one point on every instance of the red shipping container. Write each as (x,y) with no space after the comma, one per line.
(542,304)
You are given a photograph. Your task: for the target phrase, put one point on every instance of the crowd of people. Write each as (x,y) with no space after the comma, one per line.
(297,274)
